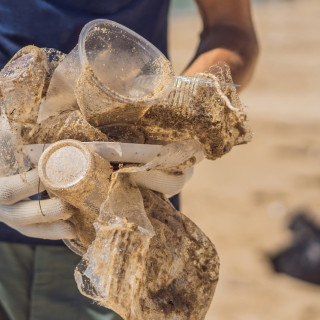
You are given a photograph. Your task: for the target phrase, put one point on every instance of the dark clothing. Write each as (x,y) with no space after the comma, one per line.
(57,23)
(37,283)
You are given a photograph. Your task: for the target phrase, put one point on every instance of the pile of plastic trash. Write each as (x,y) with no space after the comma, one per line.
(97,112)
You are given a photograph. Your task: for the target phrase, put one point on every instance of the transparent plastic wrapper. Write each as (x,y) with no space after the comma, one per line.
(171,275)
(147,259)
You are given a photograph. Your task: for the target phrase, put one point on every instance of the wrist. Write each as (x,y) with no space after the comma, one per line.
(230,44)
(207,59)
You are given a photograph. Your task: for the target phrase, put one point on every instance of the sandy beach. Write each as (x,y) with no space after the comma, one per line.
(244,200)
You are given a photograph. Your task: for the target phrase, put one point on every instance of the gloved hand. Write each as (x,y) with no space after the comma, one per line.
(45,219)
(48,219)
(163,165)
(167,168)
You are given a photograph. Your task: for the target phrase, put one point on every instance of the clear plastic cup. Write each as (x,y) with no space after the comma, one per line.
(115,74)
(122,74)
(188,91)
(60,95)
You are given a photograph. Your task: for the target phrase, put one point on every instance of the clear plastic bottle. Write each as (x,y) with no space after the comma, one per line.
(186,89)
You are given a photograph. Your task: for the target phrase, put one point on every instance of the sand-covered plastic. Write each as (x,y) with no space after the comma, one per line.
(99,122)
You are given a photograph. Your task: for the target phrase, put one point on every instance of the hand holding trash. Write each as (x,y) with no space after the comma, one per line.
(115,94)
(48,219)
(22,83)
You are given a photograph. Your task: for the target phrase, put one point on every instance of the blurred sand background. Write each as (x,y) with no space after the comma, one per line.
(243,201)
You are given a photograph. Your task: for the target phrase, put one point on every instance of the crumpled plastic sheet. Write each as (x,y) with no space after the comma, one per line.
(121,269)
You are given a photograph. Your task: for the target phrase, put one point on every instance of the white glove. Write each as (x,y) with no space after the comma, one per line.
(47,219)
(26,216)
(161,181)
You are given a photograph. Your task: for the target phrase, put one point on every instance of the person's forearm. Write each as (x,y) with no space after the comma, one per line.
(228,36)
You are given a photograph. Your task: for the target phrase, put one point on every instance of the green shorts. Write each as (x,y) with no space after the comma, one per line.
(37,283)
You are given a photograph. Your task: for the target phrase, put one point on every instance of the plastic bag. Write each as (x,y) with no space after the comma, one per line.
(166,271)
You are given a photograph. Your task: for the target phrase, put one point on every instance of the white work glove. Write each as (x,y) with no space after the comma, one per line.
(165,168)
(161,181)
(48,219)
(26,216)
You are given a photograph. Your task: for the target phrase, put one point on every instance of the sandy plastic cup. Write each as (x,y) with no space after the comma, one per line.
(122,74)
(113,74)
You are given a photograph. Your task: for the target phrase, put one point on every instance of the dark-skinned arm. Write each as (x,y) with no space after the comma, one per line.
(228,36)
